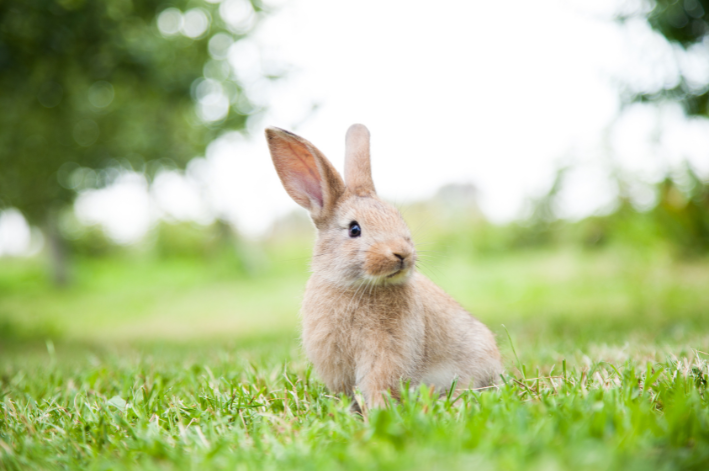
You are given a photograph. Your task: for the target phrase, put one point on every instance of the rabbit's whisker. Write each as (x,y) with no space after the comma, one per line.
(362,288)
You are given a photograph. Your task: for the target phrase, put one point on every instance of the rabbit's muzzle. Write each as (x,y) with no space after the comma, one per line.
(390,259)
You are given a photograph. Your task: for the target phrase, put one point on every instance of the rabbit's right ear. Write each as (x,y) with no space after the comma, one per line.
(308,177)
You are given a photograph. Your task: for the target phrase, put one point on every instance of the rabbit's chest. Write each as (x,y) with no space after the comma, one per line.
(330,348)
(340,339)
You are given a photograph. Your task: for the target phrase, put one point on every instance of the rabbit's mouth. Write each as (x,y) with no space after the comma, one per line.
(395,273)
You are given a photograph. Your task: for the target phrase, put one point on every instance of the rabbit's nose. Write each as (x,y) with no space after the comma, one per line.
(402,254)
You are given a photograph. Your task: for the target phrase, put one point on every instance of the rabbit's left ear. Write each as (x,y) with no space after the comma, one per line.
(308,177)
(358,169)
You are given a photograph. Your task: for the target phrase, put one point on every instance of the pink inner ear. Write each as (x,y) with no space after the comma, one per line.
(296,165)
(309,184)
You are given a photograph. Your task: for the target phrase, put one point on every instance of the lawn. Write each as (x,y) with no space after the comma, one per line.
(186,364)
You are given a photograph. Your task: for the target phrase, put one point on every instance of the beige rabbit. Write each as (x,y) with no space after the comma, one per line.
(370,320)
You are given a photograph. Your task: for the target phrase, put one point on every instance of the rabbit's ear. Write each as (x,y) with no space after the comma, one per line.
(358,170)
(308,177)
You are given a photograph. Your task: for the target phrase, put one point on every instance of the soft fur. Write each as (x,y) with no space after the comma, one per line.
(370,321)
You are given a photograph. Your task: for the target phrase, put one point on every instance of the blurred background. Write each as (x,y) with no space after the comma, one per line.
(552,155)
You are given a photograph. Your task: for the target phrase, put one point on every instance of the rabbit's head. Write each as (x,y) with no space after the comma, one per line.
(361,239)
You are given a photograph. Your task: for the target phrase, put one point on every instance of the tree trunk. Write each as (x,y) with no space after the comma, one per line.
(58,262)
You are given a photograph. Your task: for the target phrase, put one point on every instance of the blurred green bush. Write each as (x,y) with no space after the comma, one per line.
(678,222)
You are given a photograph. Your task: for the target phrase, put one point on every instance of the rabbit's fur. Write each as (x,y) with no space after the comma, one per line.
(370,321)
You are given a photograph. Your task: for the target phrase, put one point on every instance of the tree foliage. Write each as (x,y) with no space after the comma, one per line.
(684,23)
(94,84)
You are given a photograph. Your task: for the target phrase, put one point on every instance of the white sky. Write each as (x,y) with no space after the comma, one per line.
(498,94)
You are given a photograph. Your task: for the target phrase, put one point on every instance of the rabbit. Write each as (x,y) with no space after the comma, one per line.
(370,321)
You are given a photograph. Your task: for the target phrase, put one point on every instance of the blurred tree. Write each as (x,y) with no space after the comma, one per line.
(684,23)
(100,84)
(682,214)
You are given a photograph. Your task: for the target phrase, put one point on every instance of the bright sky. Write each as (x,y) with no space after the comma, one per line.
(490,93)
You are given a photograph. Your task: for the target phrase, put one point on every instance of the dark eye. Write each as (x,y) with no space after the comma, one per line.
(355,230)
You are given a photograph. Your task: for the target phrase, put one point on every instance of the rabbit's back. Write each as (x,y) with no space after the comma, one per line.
(457,344)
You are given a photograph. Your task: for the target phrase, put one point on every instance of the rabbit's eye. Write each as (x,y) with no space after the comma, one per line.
(355,230)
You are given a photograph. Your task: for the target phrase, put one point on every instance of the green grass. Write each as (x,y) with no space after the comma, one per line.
(188,365)
(259,406)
